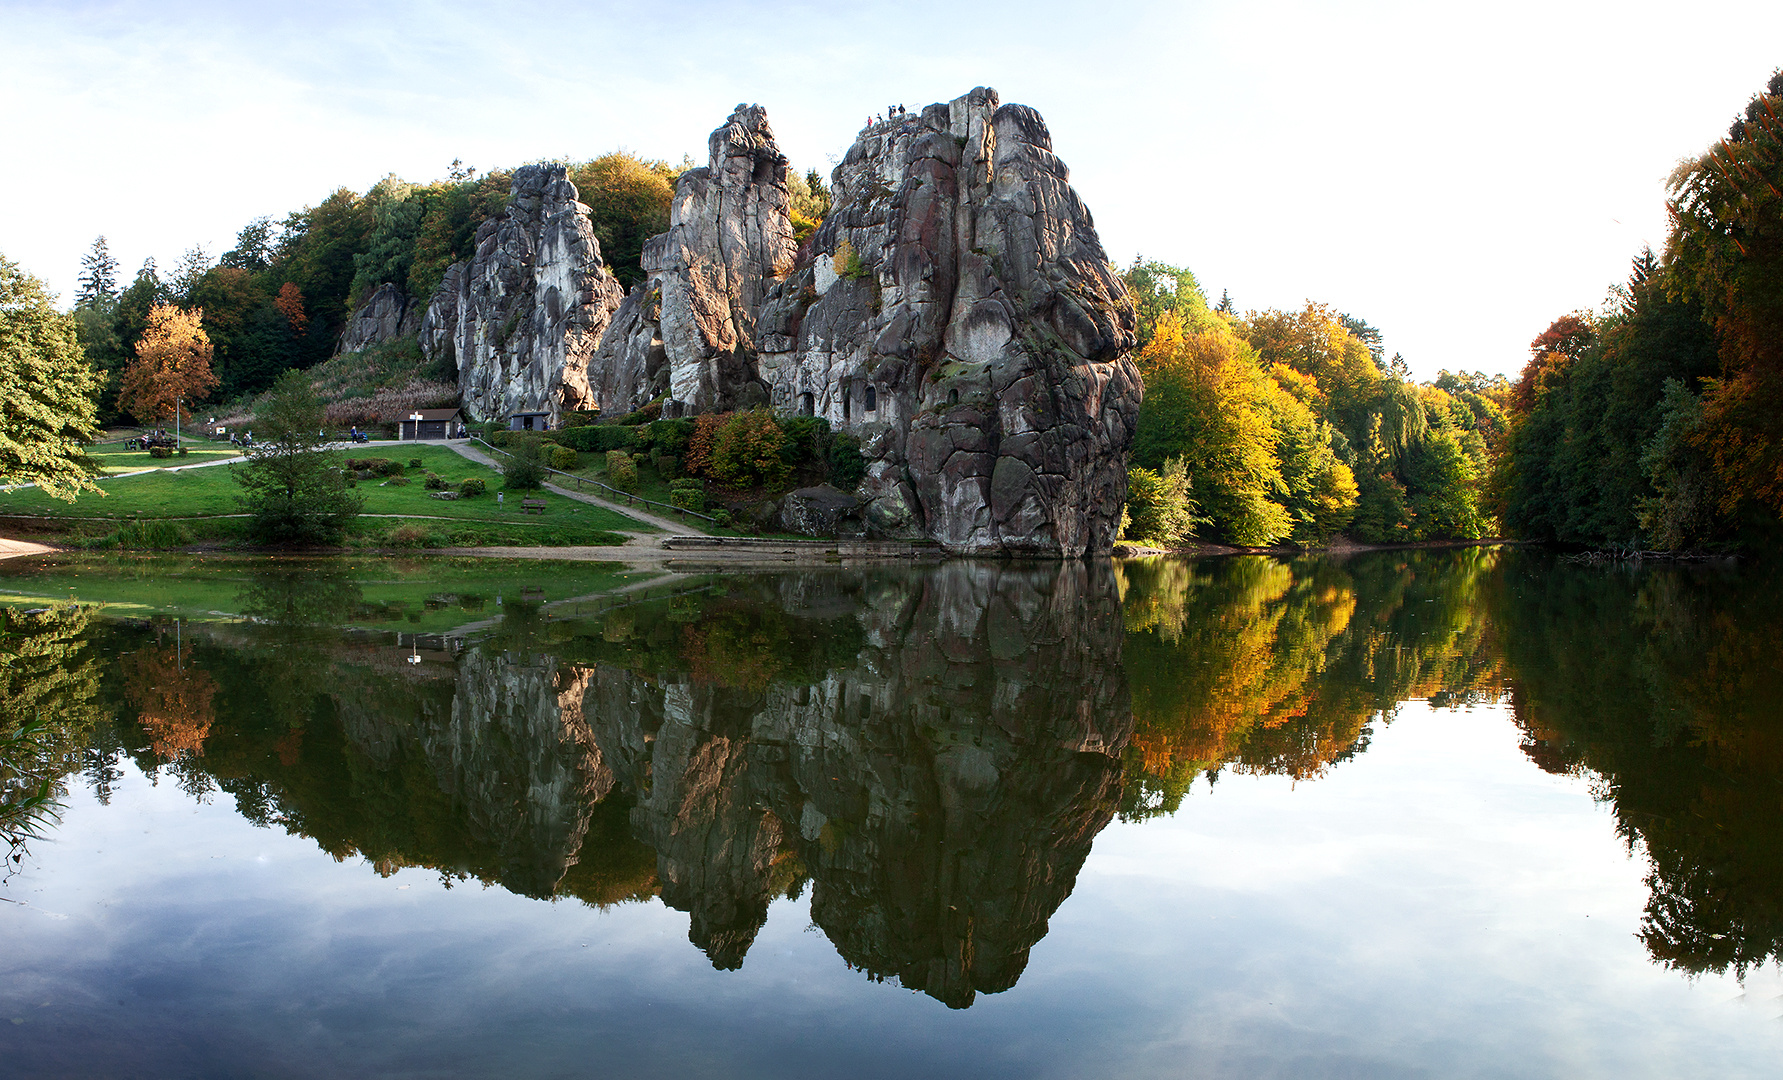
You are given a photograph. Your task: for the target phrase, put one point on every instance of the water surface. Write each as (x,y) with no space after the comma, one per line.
(1460,814)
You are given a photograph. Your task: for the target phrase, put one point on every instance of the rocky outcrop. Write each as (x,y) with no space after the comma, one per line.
(955,310)
(959,313)
(529,309)
(387,314)
(689,329)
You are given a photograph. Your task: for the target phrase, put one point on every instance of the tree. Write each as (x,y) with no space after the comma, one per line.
(253,248)
(46,404)
(1160,509)
(1205,402)
(294,486)
(98,276)
(172,364)
(188,272)
(628,202)
(1159,287)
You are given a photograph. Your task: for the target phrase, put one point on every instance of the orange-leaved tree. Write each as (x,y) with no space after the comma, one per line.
(172,364)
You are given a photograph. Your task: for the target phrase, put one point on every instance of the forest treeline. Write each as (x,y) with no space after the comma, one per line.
(1657,422)
(1279,427)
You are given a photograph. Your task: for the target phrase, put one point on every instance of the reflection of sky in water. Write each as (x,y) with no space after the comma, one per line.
(1436,906)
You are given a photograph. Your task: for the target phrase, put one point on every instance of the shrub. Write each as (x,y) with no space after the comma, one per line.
(415,463)
(182,451)
(721,517)
(160,452)
(622,471)
(847,466)
(698,460)
(597,439)
(667,436)
(406,536)
(642,415)
(580,418)
(434,482)
(522,469)
(749,449)
(472,487)
(563,457)
(1159,509)
(807,437)
(688,492)
(397,481)
(390,468)
(668,466)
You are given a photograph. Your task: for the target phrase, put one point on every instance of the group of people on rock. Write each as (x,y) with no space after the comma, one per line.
(892,112)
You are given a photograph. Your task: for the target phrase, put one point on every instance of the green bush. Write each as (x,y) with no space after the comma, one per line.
(847,466)
(580,419)
(807,438)
(598,439)
(398,481)
(1159,509)
(644,415)
(182,451)
(748,449)
(415,463)
(472,486)
(622,471)
(689,494)
(563,457)
(668,466)
(434,482)
(522,469)
(160,451)
(667,436)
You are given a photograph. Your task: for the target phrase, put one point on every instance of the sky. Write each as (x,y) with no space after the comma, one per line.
(1457,175)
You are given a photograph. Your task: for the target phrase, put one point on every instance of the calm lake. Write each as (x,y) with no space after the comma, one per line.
(1466,813)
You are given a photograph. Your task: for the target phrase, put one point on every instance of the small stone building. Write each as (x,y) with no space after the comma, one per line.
(529,421)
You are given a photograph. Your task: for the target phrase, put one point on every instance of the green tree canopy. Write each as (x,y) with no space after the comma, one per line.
(293,485)
(46,390)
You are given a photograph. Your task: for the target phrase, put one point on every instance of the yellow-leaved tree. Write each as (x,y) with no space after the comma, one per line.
(172,364)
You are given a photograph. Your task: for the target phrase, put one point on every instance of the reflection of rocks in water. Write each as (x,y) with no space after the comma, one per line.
(942,788)
(507,745)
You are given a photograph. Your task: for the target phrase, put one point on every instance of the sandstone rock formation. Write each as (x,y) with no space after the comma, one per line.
(689,329)
(386,315)
(522,318)
(955,310)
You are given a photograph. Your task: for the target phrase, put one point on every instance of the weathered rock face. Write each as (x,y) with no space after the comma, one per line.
(386,315)
(961,315)
(529,309)
(689,330)
(941,782)
(955,310)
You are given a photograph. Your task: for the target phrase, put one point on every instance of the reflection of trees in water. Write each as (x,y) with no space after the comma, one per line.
(1266,666)
(1663,684)
(49,706)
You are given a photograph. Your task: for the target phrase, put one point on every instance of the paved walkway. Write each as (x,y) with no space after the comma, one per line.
(464,447)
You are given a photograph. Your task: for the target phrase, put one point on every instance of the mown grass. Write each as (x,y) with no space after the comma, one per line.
(114,459)
(413,595)
(199,506)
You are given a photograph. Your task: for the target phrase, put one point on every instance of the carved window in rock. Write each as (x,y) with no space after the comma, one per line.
(953,397)
(872,398)
(807,404)
(847,401)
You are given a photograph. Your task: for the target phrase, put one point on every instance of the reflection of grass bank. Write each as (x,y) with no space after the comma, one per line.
(174,509)
(418,596)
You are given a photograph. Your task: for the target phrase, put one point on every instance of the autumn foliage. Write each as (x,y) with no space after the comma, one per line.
(173,363)
(173,699)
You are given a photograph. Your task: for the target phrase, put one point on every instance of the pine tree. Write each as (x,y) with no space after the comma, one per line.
(98,277)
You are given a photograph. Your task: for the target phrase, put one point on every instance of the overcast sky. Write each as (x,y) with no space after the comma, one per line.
(1458,175)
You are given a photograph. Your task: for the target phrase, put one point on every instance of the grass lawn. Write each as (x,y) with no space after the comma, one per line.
(371,592)
(191,497)
(114,459)
(651,485)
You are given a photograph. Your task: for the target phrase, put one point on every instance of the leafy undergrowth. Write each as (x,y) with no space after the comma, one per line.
(651,485)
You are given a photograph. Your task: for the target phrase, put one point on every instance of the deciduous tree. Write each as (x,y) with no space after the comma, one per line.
(293,485)
(172,364)
(46,390)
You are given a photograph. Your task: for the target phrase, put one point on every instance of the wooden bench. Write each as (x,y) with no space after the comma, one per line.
(532,506)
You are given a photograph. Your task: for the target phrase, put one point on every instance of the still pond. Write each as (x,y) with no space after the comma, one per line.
(1472,813)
